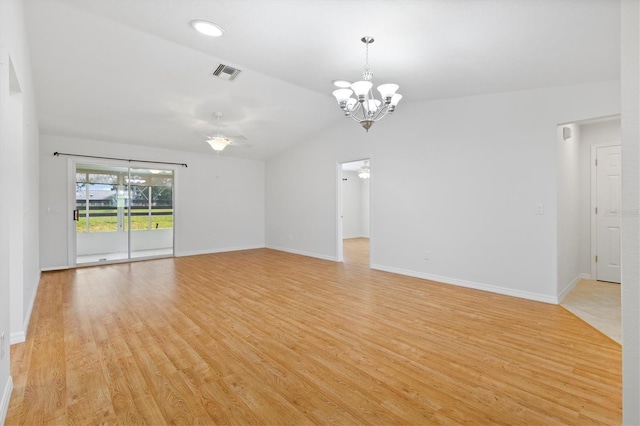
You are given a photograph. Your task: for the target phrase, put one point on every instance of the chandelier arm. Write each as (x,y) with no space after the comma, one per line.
(382,112)
(365,104)
(352,114)
(361,110)
(354,118)
(358,119)
(355,109)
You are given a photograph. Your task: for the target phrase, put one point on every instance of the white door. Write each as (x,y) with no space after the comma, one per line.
(608,218)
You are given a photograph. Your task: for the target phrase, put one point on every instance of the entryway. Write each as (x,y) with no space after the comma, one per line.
(589,216)
(354,211)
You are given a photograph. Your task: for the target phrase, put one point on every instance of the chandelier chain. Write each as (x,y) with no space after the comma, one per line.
(366,64)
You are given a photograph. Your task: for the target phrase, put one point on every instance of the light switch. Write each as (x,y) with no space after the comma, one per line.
(539,208)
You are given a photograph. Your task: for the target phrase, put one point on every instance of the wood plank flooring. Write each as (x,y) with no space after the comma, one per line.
(265,337)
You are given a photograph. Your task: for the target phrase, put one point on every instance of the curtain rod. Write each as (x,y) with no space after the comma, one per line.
(56,154)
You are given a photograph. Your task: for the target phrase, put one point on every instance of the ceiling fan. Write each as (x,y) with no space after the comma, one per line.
(220,141)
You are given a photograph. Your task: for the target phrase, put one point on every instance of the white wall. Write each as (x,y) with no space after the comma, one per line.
(355,205)
(630,23)
(591,133)
(19,271)
(365,207)
(568,158)
(219,201)
(461,179)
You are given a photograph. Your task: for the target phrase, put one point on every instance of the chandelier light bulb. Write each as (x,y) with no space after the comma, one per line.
(373,104)
(361,88)
(342,95)
(387,91)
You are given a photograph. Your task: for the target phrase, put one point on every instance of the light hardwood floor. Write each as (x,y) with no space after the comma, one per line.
(265,337)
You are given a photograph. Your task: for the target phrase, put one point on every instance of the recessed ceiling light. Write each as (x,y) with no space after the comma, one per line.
(342,83)
(207,28)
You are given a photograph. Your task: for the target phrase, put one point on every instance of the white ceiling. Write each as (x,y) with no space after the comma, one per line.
(134,71)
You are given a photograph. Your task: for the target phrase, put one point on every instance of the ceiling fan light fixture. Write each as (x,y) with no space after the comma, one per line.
(364,172)
(207,28)
(218,143)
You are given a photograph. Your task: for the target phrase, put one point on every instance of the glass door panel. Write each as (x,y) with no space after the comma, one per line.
(151,218)
(99,214)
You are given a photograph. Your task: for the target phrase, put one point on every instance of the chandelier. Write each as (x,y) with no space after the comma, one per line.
(364,172)
(218,142)
(365,108)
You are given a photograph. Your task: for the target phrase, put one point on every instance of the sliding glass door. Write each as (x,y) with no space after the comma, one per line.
(122,213)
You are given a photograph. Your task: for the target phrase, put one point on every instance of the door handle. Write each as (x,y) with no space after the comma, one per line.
(76,214)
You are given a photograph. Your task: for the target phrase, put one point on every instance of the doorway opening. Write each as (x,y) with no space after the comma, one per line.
(589,218)
(354,212)
(122,213)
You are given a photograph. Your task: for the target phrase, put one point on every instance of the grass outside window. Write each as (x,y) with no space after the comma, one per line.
(138,223)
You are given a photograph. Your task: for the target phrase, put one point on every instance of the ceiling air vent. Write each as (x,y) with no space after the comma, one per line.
(226,72)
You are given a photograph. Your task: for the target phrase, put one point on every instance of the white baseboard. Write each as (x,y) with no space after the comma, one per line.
(6,397)
(17,337)
(571,285)
(21,335)
(303,253)
(469,284)
(54,268)
(27,317)
(221,250)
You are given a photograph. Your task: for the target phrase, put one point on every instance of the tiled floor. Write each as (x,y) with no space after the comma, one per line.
(597,303)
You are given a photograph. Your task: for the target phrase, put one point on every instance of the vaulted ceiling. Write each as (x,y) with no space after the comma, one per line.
(134,71)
